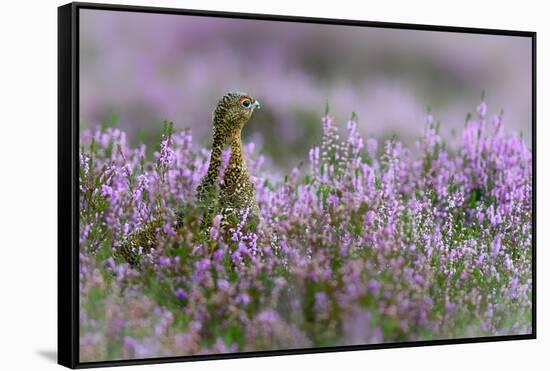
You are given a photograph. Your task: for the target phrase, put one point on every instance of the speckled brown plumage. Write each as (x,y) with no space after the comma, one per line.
(231,197)
(144,239)
(236,193)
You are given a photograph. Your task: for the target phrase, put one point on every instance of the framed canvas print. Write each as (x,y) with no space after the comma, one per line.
(237,185)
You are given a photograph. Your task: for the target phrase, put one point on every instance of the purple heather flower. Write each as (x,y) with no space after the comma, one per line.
(373,286)
(214,230)
(496,246)
(222,284)
(372,147)
(482,109)
(369,217)
(167,155)
(164,261)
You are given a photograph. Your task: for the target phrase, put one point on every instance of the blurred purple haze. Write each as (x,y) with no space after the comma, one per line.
(145,68)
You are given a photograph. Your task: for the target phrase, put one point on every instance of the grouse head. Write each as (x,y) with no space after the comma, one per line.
(232,112)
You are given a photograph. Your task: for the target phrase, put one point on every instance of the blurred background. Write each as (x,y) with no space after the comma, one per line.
(139,69)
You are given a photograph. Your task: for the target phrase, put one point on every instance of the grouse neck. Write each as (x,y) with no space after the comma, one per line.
(215,158)
(236,149)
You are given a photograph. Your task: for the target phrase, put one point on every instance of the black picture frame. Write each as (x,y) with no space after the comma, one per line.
(68,147)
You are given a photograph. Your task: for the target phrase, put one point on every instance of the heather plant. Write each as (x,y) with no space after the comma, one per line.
(366,242)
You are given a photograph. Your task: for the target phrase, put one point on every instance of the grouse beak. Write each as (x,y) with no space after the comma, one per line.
(256,104)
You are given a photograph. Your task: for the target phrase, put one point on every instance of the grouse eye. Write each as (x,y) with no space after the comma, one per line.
(246,103)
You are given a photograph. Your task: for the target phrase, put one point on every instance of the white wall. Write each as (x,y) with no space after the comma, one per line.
(28,57)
